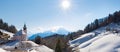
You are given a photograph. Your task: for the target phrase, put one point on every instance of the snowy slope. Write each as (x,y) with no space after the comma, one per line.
(108,43)
(26,46)
(6,32)
(2,50)
(99,40)
(81,39)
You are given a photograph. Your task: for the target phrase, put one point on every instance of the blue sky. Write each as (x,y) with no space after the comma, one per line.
(45,14)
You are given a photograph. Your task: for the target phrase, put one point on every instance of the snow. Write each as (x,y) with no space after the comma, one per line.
(2,50)
(81,39)
(11,34)
(22,46)
(31,45)
(108,43)
(99,40)
(43,48)
(26,46)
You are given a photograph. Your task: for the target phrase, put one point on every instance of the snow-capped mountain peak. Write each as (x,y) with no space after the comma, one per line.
(61,31)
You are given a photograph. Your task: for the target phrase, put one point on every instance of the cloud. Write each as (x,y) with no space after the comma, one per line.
(41,29)
(35,30)
(55,28)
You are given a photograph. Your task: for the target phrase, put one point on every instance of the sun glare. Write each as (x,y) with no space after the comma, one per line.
(65,4)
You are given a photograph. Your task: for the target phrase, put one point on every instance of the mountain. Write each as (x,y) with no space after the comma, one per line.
(104,39)
(60,31)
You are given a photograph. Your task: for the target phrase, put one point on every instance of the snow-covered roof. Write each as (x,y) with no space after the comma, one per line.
(19,33)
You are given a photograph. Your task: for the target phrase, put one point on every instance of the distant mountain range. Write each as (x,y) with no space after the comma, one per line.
(60,31)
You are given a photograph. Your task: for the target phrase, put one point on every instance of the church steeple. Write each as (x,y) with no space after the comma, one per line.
(24,28)
(25,33)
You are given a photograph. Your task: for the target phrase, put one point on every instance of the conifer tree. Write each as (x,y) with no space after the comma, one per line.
(38,39)
(71,37)
(58,46)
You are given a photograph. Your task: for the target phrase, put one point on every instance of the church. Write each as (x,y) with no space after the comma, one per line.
(21,35)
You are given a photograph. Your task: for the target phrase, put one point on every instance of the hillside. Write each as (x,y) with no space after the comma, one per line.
(99,40)
(6,32)
(5,36)
(25,46)
(8,45)
(50,39)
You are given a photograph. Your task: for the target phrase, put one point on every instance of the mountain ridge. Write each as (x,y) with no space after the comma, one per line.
(60,31)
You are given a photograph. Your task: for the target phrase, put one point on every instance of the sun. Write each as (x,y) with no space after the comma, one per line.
(65,4)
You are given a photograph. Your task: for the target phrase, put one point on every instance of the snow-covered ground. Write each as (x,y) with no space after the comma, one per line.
(2,50)
(24,46)
(6,32)
(99,40)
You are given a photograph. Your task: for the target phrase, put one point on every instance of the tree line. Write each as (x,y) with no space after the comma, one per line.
(9,28)
(111,18)
(97,23)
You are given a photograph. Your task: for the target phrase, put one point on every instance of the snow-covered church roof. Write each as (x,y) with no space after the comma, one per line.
(19,33)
